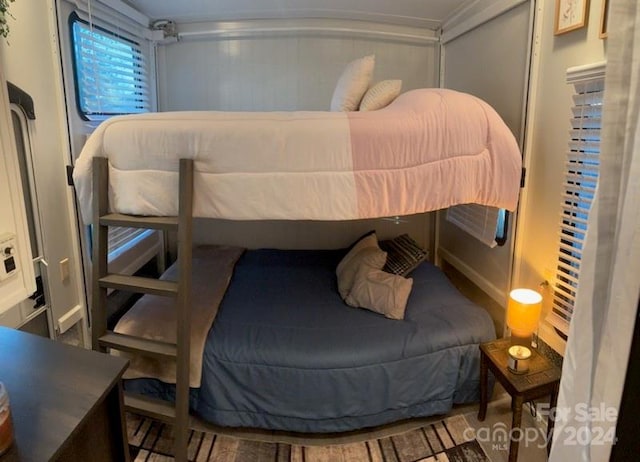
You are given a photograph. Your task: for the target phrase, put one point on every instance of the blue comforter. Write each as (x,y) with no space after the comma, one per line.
(286,353)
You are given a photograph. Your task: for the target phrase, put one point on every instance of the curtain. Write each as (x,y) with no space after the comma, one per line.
(601,330)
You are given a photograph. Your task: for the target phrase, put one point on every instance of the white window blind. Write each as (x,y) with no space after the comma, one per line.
(484,223)
(582,166)
(111,74)
(122,239)
(111,78)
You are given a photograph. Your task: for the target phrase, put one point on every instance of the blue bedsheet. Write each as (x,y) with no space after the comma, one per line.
(286,353)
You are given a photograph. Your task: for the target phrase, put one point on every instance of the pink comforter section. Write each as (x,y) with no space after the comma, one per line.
(457,141)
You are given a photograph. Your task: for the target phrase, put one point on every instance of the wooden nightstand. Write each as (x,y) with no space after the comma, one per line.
(543,379)
(66,402)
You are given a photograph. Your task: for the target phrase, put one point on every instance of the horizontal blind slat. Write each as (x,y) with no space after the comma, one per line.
(569,215)
(90,73)
(565,292)
(106,54)
(571,258)
(577,202)
(563,305)
(591,134)
(579,187)
(583,166)
(568,271)
(559,322)
(564,248)
(572,234)
(116,98)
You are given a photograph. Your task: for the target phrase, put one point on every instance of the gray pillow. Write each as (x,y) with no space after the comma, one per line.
(381,292)
(364,252)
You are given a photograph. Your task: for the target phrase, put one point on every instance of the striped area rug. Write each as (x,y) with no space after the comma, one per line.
(443,441)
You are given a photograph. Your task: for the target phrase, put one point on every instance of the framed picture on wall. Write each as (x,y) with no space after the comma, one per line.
(570,15)
(604,19)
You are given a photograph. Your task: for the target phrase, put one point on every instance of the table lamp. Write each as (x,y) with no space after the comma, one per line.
(523,314)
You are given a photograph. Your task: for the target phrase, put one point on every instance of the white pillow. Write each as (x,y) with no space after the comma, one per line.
(381,95)
(353,84)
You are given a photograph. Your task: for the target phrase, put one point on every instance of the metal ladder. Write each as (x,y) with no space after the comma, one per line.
(102,339)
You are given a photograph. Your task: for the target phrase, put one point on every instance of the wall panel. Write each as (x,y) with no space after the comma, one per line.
(282,70)
(485,63)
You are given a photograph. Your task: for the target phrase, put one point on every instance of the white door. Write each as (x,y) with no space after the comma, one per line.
(17,279)
(35,312)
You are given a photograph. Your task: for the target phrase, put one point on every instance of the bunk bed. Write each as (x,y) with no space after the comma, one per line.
(284,351)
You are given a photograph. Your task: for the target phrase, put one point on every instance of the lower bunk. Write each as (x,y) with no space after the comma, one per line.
(286,353)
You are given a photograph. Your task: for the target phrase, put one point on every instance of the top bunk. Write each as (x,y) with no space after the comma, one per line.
(429,149)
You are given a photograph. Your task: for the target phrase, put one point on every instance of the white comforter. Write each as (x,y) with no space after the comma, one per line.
(428,150)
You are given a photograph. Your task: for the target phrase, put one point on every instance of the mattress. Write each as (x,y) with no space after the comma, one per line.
(285,352)
(428,150)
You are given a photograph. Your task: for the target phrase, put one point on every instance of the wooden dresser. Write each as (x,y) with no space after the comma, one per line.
(66,402)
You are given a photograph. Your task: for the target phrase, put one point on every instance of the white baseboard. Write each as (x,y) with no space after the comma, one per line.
(70,318)
(485,285)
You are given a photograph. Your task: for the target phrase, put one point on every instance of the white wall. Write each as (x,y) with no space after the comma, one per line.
(31,62)
(307,234)
(486,64)
(281,65)
(548,131)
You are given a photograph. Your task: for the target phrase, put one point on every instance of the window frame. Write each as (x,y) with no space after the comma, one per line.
(474,218)
(128,248)
(72,20)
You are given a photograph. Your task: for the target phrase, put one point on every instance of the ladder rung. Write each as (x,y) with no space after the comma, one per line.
(134,221)
(150,407)
(138,345)
(137,284)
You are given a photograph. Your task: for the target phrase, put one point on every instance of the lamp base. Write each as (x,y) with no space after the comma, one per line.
(518,361)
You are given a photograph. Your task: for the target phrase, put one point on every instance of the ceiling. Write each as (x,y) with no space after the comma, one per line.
(418,13)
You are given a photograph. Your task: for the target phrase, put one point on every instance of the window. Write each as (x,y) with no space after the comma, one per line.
(581,178)
(111,78)
(110,72)
(487,224)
